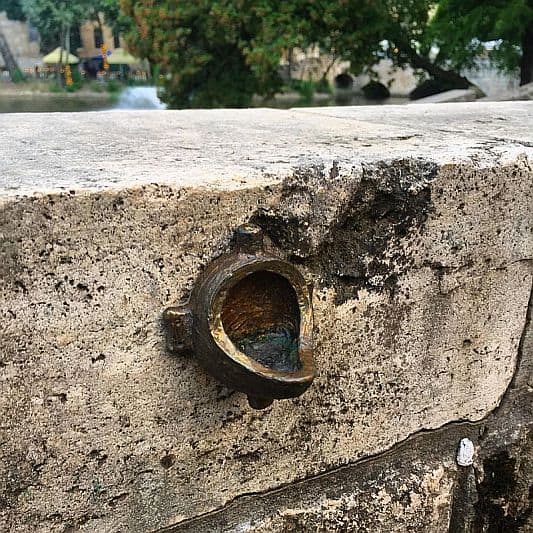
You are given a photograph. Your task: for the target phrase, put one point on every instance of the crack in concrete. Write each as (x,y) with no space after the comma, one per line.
(364,460)
(527,144)
(520,351)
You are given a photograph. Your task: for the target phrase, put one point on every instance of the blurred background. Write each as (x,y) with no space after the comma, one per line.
(81,55)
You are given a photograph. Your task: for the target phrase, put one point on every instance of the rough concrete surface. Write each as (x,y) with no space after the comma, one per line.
(415,226)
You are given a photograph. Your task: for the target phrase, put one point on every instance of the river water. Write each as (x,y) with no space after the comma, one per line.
(146,98)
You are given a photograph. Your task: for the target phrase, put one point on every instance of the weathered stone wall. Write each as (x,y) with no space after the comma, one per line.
(414,225)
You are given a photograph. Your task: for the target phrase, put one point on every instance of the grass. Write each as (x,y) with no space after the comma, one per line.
(307,89)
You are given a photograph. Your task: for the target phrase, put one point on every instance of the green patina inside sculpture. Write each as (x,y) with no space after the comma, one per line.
(276,348)
(262,318)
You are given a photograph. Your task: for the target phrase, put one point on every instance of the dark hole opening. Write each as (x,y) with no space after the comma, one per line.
(343,81)
(262,318)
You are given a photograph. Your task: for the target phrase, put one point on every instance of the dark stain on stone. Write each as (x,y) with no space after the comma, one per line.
(462,511)
(21,286)
(357,251)
(98,456)
(391,200)
(334,171)
(56,397)
(99,357)
(496,508)
(18,474)
(303,214)
(167,461)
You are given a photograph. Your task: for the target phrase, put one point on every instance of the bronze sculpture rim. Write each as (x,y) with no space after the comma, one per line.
(244,266)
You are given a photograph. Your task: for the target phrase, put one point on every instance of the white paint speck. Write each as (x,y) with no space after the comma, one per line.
(465,453)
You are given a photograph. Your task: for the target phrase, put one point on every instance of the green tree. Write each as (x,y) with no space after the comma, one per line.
(199,46)
(406,35)
(361,31)
(460,26)
(350,29)
(114,17)
(12,8)
(219,53)
(53,19)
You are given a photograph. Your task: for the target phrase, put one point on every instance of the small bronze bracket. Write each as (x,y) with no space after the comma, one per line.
(249,322)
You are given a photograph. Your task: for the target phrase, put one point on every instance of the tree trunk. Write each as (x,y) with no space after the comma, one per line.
(5,51)
(101,28)
(290,63)
(526,63)
(421,62)
(332,62)
(62,44)
(67,45)
(67,63)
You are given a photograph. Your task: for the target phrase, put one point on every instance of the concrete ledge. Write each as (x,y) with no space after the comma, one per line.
(57,152)
(414,224)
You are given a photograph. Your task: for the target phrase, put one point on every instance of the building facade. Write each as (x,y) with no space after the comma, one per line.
(93,36)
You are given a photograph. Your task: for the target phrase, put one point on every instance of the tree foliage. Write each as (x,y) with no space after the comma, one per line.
(113,15)
(219,53)
(361,31)
(460,27)
(200,46)
(351,29)
(52,18)
(12,8)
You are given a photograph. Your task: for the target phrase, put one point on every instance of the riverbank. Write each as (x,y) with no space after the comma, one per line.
(45,96)
(289,99)
(47,88)
(52,102)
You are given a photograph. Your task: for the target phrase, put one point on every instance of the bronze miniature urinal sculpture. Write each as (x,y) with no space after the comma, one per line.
(249,322)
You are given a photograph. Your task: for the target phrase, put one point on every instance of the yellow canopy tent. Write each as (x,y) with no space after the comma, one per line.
(53,58)
(119,56)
